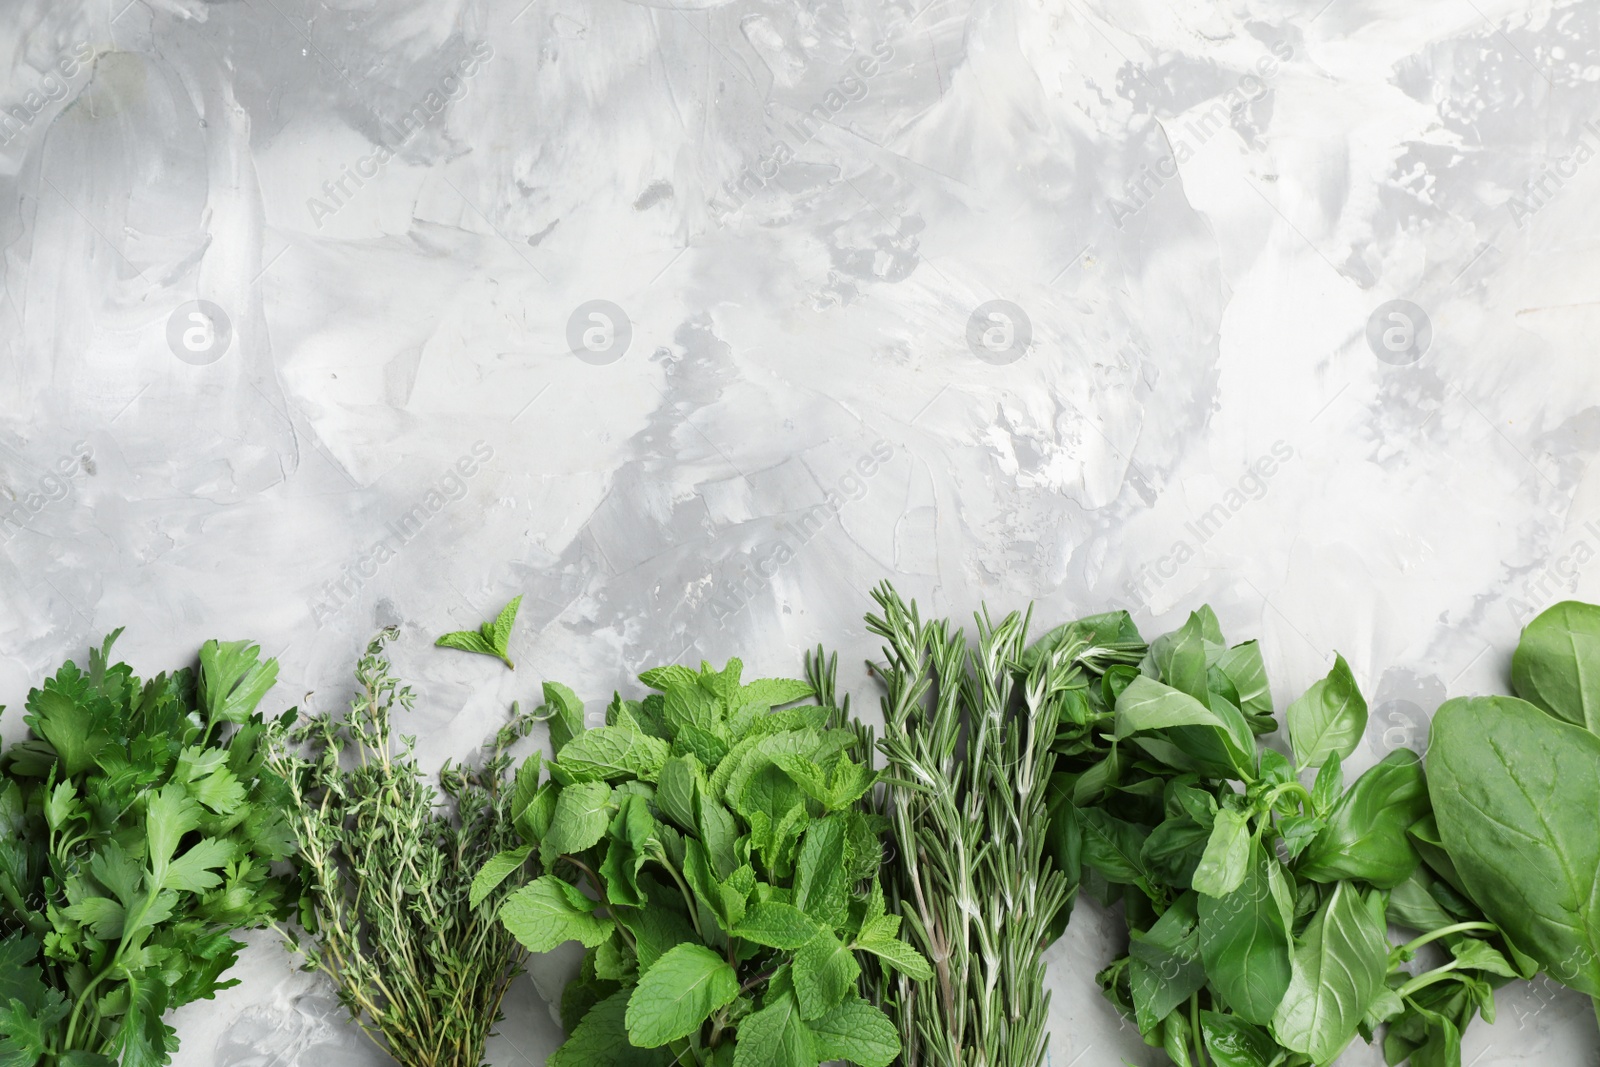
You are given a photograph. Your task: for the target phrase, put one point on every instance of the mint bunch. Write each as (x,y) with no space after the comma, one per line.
(710,849)
(137,828)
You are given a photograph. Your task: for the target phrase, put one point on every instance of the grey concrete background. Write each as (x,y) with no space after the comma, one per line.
(273,267)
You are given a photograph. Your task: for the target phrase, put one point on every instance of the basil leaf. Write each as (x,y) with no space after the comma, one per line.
(1165,967)
(1366,833)
(1233,1042)
(1339,969)
(1227,855)
(1245,942)
(1329,718)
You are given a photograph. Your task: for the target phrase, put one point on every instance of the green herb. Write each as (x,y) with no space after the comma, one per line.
(1516,786)
(137,827)
(490,639)
(388,905)
(708,847)
(1257,907)
(970,741)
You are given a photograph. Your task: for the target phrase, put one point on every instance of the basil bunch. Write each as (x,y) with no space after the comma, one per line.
(712,854)
(1258,908)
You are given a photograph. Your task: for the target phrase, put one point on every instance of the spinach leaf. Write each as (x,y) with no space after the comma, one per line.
(1515,792)
(1557,663)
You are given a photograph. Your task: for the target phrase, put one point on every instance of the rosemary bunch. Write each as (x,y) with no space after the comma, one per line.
(969,741)
(387,871)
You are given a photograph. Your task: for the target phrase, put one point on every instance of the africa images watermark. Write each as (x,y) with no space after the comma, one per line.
(52,88)
(1252,485)
(756,569)
(848,89)
(1143,187)
(395,136)
(54,487)
(1553,177)
(1559,577)
(341,592)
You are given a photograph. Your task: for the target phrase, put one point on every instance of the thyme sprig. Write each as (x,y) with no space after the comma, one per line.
(387,871)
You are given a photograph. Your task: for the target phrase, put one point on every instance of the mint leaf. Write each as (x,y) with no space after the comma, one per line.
(858,1032)
(548,911)
(579,820)
(497,870)
(564,713)
(824,971)
(601,1040)
(820,889)
(775,1036)
(899,955)
(613,752)
(771,692)
(490,639)
(679,993)
(664,678)
(777,925)
(467,641)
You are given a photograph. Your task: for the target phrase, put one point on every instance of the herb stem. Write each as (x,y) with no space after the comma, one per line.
(1423,981)
(1194,1029)
(1288,787)
(688,897)
(1446,931)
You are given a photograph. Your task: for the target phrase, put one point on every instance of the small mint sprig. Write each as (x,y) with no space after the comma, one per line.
(490,639)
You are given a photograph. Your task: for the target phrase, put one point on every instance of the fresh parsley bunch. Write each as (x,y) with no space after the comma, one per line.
(1258,908)
(419,960)
(712,854)
(137,828)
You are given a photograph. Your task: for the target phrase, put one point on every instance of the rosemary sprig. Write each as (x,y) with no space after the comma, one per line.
(968,742)
(387,872)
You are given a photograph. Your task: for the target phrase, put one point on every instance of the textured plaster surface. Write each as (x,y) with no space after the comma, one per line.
(702,295)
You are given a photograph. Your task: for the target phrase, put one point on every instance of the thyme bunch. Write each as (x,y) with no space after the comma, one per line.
(387,869)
